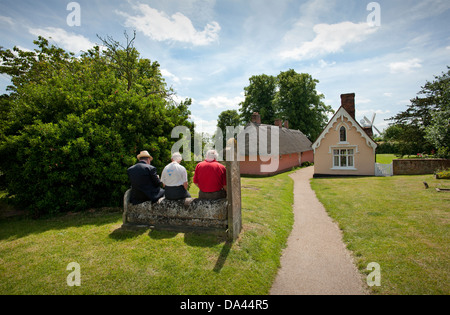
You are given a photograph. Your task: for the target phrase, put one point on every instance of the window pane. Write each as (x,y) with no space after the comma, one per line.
(336,161)
(336,152)
(343,161)
(343,152)
(350,152)
(343,134)
(350,161)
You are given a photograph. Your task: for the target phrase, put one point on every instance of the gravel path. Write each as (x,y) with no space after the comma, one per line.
(316,261)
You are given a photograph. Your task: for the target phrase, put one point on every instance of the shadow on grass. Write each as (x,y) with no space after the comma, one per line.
(192,239)
(223,256)
(22,226)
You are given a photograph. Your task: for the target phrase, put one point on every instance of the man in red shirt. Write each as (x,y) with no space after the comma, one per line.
(211,177)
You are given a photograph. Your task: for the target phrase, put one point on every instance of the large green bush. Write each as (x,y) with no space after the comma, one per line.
(72,126)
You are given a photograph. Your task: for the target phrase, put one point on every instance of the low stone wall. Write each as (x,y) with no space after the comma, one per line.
(184,214)
(419,166)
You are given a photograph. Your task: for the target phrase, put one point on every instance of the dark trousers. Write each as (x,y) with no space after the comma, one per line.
(212,195)
(176,193)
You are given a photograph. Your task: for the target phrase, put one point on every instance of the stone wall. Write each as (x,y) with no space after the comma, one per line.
(166,214)
(419,166)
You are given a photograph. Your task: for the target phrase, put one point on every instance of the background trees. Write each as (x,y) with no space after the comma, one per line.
(424,125)
(290,96)
(72,126)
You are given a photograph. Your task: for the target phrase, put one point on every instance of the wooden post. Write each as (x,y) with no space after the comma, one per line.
(233,191)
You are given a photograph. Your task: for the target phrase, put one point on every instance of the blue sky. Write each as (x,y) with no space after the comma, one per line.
(208,49)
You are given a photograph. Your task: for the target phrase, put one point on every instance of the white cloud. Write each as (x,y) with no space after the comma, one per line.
(387,94)
(170,76)
(324,64)
(161,27)
(362,100)
(222,102)
(6,20)
(448,47)
(330,38)
(69,41)
(371,112)
(405,66)
(204,126)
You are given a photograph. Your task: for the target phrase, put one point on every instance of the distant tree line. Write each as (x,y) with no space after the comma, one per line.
(289,96)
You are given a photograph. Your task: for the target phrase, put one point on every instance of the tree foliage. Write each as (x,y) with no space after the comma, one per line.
(228,118)
(71,126)
(260,97)
(290,96)
(425,123)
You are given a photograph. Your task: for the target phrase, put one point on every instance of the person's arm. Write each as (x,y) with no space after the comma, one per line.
(154,177)
(185,178)
(224,179)
(164,177)
(195,179)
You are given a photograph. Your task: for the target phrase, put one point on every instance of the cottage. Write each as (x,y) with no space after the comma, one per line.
(292,148)
(344,148)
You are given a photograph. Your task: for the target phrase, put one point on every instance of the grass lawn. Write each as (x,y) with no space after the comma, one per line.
(386,158)
(34,254)
(397,223)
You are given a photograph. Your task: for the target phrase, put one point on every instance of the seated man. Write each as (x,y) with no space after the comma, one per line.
(211,177)
(145,183)
(175,180)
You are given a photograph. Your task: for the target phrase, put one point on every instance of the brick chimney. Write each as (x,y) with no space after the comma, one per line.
(348,102)
(286,124)
(279,123)
(256,118)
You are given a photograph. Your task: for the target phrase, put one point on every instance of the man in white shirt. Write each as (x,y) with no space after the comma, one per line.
(174,179)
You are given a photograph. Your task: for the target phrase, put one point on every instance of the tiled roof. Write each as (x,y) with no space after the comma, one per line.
(290,141)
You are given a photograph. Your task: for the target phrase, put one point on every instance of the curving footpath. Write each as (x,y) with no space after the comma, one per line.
(315,261)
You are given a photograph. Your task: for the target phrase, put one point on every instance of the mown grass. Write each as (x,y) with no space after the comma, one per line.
(386,158)
(34,254)
(397,223)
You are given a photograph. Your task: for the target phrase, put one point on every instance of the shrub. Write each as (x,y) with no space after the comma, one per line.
(443,174)
(74,125)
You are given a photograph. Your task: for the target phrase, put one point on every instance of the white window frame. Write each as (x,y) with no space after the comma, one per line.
(340,154)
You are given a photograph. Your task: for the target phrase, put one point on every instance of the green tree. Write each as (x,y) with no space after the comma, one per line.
(438,132)
(423,122)
(298,101)
(291,96)
(259,97)
(228,118)
(72,126)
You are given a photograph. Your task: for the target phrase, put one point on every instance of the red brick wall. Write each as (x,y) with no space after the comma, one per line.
(308,156)
(286,162)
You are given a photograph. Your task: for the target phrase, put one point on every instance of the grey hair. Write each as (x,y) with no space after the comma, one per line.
(177,157)
(212,155)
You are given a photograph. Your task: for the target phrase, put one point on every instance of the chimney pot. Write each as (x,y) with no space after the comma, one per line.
(279,123)
(256,118)
(348,102)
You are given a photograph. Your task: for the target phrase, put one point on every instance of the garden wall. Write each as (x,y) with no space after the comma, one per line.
(419,166)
